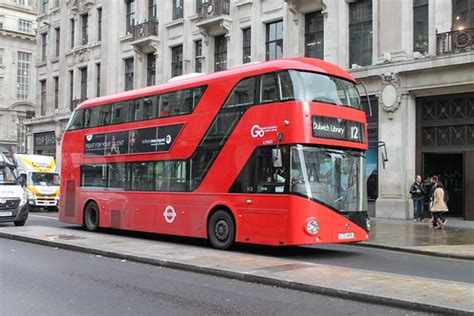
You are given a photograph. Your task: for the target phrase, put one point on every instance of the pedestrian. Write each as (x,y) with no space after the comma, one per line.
(433,182)
(438,205)
(417,191)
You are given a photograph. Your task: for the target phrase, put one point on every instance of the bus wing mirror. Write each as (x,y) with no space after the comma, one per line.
(379,144)
(276,158)
(368,109)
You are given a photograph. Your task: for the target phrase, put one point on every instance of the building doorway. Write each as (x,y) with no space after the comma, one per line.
(450,170)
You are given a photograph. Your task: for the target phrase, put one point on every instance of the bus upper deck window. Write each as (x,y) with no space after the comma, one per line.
(286,86)
(268,88)
(243,94)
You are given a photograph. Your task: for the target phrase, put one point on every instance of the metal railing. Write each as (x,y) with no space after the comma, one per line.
(212,8)
(457,41)
(144,29)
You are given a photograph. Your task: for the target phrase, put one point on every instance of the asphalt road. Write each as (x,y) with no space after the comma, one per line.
(352,256)
(41,280)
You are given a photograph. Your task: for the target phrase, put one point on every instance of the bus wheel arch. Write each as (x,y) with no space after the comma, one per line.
(221,227)
(91,216)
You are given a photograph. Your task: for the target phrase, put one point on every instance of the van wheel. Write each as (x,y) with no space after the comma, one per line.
(20,223)
(221,229)
(91,217)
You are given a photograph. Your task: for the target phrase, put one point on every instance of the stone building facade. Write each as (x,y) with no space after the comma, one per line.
(415,57)
(17,72)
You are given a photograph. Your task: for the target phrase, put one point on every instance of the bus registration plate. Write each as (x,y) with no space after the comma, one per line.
(5,213)
(346,236)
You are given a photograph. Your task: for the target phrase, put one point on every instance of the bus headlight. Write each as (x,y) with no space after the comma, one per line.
(312,227)
(367,223)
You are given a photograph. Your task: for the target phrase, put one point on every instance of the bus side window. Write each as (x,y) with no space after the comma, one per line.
(77,121)
(268,88)
(120,112)
(186,101)
(197,93)
(103,113)
(286,86)
(243,94)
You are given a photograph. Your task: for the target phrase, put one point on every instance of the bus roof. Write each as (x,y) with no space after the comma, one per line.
(309,64)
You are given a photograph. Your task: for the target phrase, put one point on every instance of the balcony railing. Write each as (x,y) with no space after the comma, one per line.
(144,30)
(455,41)
(212,9)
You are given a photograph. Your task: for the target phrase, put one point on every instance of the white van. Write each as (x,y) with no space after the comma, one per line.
(13,197)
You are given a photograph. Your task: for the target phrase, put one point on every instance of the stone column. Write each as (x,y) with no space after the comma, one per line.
(397,129)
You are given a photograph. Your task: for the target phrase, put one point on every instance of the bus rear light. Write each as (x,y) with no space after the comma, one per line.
(312,226)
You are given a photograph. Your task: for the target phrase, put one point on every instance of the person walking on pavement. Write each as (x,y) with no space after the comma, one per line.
(417,191)
(438,205)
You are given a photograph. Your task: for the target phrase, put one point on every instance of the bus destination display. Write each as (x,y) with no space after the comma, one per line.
(340,129)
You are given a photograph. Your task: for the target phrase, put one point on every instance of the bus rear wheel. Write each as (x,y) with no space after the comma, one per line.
(91,217)
(221,229)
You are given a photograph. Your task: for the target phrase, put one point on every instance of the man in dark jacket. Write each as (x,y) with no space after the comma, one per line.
(417,191)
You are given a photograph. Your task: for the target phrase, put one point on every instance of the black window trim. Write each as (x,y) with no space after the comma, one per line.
(137,99)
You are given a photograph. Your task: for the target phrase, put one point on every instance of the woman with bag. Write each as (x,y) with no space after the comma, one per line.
(438,206)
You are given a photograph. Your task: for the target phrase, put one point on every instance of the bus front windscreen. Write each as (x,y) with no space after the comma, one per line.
(315,87)
(335,178)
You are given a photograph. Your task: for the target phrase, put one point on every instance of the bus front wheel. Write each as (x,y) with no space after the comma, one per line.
(221,229)
(91,217)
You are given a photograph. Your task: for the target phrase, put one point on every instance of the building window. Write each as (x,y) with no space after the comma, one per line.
(44,46)
(73,32)
(246,45)
(198,56)
(150,69)
(152,10)
(420,26)
(1,86)
(177,9)
(314,35)
(177,61)
(2,52)
(20,136)
(274,40)
(23,75)
(463,14)
(85,26)
(43,97)
(220,53)
(45,6)
(56,92)
(360,33)
(99,24)
(25,26)
(128,73)
(130,18)
(58,38)
(71,88)
(97,80)
(83,83)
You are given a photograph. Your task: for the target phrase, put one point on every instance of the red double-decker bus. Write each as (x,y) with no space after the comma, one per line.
(269,153)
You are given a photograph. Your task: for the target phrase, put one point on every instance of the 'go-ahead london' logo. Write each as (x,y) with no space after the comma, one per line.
(257,131)
(169,214)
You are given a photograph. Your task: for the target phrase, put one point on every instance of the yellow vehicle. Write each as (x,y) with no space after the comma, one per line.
(41,179)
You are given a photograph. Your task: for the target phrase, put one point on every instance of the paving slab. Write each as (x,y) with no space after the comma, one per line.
(369,286)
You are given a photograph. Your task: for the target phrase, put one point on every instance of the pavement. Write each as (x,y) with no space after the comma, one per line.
(456,240)
(432,295)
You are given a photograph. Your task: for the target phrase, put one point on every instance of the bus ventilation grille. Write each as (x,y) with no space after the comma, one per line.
(116,218)
(70,198)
